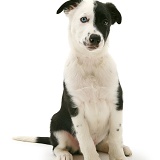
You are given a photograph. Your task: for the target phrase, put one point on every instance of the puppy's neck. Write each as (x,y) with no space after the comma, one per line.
(93,61)
(89,63)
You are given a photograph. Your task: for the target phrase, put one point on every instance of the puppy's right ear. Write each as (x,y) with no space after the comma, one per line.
(68,6)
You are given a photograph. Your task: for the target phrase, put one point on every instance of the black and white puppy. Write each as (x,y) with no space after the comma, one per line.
(90,118)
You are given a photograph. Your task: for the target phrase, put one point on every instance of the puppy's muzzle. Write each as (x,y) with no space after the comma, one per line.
(94,41)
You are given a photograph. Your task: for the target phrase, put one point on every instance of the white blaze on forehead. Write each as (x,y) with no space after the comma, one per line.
(88,6)
(88,2)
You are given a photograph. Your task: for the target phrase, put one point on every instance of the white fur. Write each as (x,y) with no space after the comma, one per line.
(25,139)
(92,81)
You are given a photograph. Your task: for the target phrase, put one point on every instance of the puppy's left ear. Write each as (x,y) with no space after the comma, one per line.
(68,6)
(115,14)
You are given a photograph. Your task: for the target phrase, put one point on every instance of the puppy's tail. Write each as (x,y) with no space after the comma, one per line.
(43,140)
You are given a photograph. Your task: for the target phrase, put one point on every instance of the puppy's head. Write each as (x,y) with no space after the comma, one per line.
(90,23)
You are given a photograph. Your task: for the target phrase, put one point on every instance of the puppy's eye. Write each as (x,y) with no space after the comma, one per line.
(84,19)
(105,22)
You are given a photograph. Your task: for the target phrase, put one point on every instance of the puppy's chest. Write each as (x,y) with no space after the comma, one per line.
(93,98)
(90,82)
(97,116)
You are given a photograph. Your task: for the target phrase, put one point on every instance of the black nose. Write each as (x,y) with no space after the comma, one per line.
(94,39)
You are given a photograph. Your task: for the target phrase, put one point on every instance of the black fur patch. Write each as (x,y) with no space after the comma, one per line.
(105,15)
(44,140)
(73,110)
(61,121)
(102,14)
(69,5)
(120,98)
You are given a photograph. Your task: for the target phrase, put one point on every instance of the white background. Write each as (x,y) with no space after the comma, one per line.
(33,50)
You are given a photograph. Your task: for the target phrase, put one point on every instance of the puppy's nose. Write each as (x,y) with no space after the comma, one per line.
(94,39)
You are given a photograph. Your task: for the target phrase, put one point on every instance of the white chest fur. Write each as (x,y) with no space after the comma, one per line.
(92,82)
(97,115)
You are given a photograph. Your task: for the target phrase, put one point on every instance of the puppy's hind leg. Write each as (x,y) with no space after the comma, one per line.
(67,144)
(60,151)
(103,147)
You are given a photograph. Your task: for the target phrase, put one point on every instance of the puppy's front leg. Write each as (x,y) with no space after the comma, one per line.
(115,136)
(86,143)
(115,127)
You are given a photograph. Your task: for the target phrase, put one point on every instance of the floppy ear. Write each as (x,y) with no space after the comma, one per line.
(115,14)
(68,6)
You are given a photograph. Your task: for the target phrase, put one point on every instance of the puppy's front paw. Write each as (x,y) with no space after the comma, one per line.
(111,157)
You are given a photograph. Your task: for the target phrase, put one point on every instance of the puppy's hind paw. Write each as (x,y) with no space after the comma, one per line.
(64,156)
(127,151)
(120,158)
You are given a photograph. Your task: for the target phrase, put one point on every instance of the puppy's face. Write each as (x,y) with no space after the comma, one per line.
(90,23)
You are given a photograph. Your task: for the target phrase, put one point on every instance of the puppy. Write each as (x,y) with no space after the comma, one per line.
(90,117)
